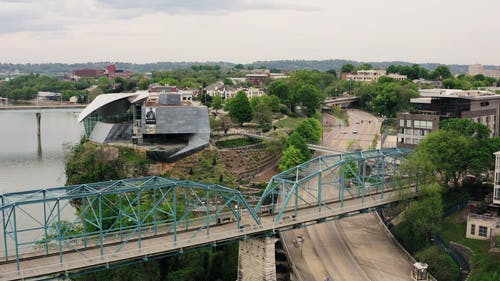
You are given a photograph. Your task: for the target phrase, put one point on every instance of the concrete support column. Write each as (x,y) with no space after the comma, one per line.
(256,260)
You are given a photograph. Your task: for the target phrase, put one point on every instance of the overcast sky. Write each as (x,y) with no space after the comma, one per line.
(243,31)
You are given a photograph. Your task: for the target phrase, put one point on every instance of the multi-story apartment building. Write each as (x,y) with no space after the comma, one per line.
(434,105)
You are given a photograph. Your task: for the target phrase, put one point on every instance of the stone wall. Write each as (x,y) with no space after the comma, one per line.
(256,259)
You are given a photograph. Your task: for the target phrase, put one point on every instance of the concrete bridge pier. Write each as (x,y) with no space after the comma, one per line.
(256,259)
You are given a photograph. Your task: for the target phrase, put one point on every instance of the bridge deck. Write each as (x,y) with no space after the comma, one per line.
(82,258)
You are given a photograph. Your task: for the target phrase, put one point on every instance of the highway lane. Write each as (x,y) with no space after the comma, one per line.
(354,248)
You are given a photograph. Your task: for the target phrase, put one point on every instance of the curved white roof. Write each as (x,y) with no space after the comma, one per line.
(140,96)
(102,100)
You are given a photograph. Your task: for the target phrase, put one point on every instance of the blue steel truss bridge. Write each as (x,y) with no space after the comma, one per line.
(142,218)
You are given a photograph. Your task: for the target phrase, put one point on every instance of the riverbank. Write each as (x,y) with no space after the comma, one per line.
(33,104)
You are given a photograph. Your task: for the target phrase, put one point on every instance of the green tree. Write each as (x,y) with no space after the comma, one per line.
(291,157)
(421,219)
(272,102)
(217,103)
(364,66)
(104,84)
(279,138)
(297,141)
(281,89)
(347,68)
(143,84)
(460,148)
(332,71)
(239,108)
(264,116)
(465,127)
(386,97)
(310,98)
(311,130)
(441,72)
(441,266)
(443,154)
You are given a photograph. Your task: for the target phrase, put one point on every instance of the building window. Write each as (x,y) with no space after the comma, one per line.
(485,103)
(497,193)
(408,123)
(401,122)
(483,231)
(423,124)
(473,229)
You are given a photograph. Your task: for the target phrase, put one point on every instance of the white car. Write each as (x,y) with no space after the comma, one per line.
(354,131)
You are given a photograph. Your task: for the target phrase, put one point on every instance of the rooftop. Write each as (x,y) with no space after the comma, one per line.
(457,93)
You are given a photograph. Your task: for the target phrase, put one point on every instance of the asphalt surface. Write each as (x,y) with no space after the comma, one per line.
(353,248)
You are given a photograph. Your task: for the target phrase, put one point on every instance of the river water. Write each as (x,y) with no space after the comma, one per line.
(28,163)
(23,164)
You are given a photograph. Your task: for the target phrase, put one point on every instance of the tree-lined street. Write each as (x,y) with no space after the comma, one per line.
(353,248)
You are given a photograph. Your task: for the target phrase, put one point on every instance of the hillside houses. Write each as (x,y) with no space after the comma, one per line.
(225,91)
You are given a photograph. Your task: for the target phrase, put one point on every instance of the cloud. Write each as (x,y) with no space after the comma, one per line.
(61,15)
(18,16)
(208,6)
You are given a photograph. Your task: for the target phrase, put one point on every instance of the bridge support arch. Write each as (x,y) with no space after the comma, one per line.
(256,259)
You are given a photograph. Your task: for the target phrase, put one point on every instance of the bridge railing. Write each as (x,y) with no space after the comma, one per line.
(322,187)
(333,177)
(186,241)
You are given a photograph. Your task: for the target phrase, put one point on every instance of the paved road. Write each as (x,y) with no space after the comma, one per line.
(359,133)
(354,248)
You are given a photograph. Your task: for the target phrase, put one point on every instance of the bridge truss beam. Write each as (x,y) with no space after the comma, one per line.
(334,178)
(122,211)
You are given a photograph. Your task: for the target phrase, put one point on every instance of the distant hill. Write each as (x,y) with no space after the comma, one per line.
(59,69)
(56,69)
(323,65)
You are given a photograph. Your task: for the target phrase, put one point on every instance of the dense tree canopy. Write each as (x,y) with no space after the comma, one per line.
(311,130)
(440,73)
(217,103)
(239,108)
(296,140)
(347,68)
(460,148)
(412,72)
(27,86)
(386,97)
(263,115)
(421,219)
(306,88)
(310,97)
(291,157)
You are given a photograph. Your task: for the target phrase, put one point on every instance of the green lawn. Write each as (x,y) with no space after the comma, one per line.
(232,143)
(485,266)
(290,122)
